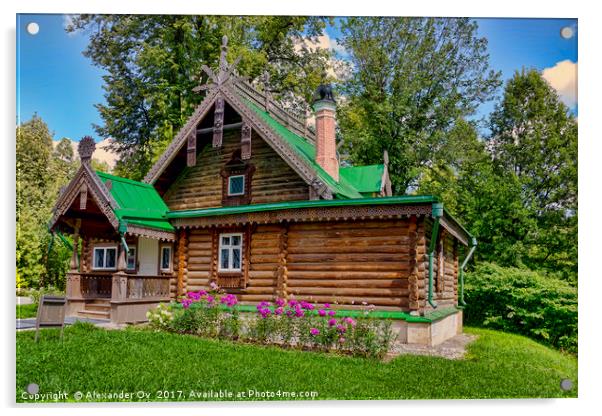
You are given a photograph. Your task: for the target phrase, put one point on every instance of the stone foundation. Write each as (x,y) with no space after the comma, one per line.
(429,333)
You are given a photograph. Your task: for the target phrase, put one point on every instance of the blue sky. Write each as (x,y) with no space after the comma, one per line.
(55,80)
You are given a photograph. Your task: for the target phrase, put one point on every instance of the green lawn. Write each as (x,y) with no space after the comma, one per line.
(498,365)
(27,311)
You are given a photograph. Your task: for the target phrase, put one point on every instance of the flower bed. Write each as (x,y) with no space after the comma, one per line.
(290,324)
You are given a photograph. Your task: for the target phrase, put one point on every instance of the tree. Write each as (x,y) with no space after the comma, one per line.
(534,139)
(33,153)
(153,63)
(412,79)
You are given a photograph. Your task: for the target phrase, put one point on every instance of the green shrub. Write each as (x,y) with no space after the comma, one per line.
(524,302)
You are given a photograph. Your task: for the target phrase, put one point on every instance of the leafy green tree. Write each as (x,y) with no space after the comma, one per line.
(534,138)
(412,79)
(152,63)
(33,154)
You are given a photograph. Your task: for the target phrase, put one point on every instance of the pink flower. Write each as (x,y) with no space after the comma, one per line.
(299,313)
(194,295)
(314,331)
(186,303)
(332,322)
(280,302)
(278,310)
(210,299)
(327,305)
(202,292)
(214,285)
(292,302)
(341,328)
(332,312)
(322,312)
(341,340)
(349,321)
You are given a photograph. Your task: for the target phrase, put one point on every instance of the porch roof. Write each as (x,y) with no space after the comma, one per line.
(139,203)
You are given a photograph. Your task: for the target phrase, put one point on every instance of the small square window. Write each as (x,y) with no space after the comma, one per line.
(236,185)
(104,258)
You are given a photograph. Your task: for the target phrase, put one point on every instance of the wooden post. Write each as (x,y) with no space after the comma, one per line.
(413,263)
(282,271)
(218,122)
(245,141)
(74,265)
(120,279)
(182,261)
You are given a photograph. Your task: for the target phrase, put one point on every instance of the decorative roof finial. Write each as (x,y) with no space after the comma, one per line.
(86,148)
(224,73)
(223,63)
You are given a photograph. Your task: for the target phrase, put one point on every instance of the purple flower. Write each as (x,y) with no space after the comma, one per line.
(349,321)
(290,312)
(341,340)
(314,331)
(299,313)
(210,299)
(327,305)
(214,285)
(322,312)
(186,303)
(202,292)
(280,302)
(341,328)
(332,322)
(332,312)
(278,310)
(292,302)
(194,295)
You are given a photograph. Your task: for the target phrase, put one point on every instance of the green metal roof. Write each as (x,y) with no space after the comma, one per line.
(342,189)
(139,203)
(276,206)
(364,178)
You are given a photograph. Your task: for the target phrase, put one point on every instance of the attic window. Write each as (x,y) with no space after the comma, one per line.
(236,185)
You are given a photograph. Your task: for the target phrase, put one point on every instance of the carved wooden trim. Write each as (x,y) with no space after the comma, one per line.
(218,122)
(307,215)
(214,255)
(94,186)
(181,137)
(282,270)
(150,233)
(245,141)
(83,196)
(191,150)
(235,167)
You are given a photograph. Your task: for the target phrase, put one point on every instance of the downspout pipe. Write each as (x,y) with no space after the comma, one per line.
(473,246)
(122,230)
(437,214)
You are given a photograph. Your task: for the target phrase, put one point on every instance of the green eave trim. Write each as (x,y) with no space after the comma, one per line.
(242,209)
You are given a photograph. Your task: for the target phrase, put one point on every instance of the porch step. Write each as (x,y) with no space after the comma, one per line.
(98,307)
(97,314)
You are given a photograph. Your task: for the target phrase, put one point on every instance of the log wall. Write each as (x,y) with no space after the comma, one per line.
(381,262)
(445,268)
(201,185)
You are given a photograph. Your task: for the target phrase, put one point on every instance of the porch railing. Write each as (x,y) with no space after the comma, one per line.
(141,287)
(95,285)
(118,286)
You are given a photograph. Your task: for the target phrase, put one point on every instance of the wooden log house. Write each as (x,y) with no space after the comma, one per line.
(247,197)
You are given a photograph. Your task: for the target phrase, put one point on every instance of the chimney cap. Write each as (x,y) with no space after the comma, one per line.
(324,93)
(86,148)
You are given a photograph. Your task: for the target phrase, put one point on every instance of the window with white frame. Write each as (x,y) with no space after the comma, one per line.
(105,258)
(236,185)
(230,252)
(165,259)
(131,263)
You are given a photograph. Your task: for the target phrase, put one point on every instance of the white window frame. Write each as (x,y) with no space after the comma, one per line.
(170,267)
(104,248)
(230,193)
(230,248)
(127,265)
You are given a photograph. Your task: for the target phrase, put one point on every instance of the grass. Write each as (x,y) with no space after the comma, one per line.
(27,311)
(498,365)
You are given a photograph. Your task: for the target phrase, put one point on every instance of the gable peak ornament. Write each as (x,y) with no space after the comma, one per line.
(224,73)
(86,149)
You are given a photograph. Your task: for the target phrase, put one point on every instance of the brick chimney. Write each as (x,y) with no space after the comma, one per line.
(326,148)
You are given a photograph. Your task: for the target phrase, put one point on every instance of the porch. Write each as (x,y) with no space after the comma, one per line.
(120,297)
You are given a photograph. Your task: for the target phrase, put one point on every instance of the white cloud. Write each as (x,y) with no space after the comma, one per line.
(563,78)
(337,68)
